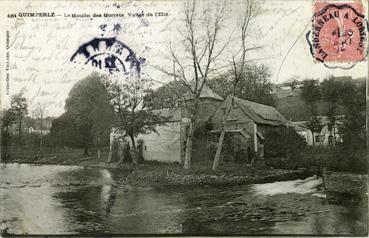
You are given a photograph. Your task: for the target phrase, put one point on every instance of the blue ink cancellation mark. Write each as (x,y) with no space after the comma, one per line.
(109,54)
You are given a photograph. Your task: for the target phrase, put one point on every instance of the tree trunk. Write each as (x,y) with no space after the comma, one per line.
(98,146)
(187,162)
(20,134)
(312,133)
(219,150)
(330,137)
(41,136)
(134,151)
(85,150)
(111,148)
(122,152)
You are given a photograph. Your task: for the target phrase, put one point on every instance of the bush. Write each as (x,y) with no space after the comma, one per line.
(338,158)
(284,149)
(345,160)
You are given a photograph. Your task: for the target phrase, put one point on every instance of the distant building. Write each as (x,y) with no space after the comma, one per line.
(323,138)
(32,125)
(284,90)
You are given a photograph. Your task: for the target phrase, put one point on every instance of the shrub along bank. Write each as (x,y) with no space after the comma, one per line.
(288,150)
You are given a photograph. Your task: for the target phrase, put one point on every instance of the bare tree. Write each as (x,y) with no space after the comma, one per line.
(195,62)
(239,62)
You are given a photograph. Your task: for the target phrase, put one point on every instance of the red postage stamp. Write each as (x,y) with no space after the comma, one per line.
(339,32)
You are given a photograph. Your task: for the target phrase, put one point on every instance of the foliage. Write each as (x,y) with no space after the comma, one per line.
(314,125)
(65,132)
(17,112)
(331,91)
(347,97)
(133,116)
(286,143)
(310,94)
(7,119)
(353,160)
(349,155)
(166,96)
(254,84)
(353,129)
(18,106)
(336,158)
(88,117)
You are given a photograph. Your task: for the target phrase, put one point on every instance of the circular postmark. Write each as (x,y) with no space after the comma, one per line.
(109,54)
(339,33)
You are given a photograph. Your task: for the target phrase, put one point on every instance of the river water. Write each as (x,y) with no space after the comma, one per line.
(49,199)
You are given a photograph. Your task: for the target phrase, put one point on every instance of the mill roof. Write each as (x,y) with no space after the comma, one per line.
(206,92)
(260,113)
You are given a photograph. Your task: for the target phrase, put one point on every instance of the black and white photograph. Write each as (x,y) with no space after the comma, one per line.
(184,118)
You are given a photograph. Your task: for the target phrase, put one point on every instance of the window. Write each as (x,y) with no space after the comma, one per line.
(317,138)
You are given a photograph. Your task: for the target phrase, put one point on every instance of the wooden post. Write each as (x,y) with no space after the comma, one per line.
(187,162)
(219,150)
(221,138)
(255,138)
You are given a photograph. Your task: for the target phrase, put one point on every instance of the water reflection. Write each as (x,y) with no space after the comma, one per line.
(301,186)
(67,199)
(108,195)
(32,210)
(83,209)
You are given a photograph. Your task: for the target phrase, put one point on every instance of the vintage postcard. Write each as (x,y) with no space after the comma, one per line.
(184,117)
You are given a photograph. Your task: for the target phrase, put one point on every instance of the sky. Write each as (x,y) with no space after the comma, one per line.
(40,47)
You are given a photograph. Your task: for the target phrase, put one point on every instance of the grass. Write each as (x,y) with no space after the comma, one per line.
(205,167)
(198,167)
(72,157)
(201,173)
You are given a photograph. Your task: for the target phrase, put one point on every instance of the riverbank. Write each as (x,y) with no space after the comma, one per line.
(343,187)
(339,184)
(157,175)
(73,158)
